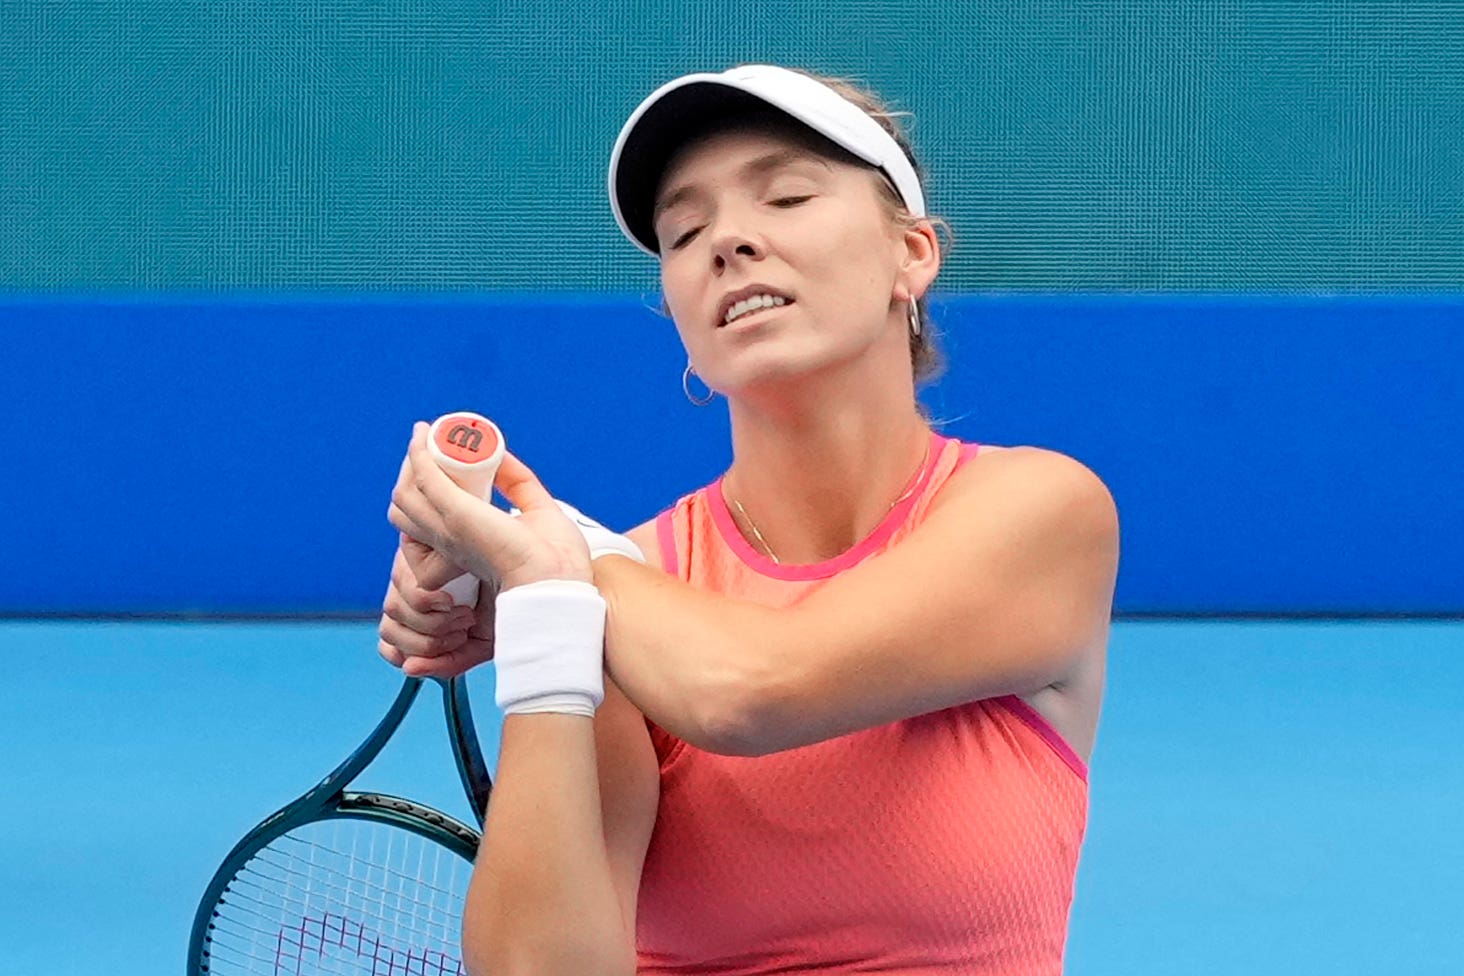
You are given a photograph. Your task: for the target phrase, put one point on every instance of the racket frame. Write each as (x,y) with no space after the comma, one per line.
(329,800)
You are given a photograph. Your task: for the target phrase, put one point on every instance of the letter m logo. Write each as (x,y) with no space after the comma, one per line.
(466,437)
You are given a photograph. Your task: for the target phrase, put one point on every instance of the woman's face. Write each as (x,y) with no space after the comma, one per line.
(746,213)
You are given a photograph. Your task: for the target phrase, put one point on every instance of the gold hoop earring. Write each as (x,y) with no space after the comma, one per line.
(914,320)
(686,388)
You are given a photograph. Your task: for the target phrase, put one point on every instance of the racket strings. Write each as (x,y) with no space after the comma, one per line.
(363,869)
(343,898)
(260,895)
(263,912)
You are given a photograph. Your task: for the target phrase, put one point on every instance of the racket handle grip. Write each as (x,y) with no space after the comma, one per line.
(469,448)
(463,590)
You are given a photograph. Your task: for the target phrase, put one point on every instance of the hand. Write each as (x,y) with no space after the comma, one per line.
(421,631)
(540,543)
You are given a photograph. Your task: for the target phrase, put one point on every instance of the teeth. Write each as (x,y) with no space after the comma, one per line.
(752,305)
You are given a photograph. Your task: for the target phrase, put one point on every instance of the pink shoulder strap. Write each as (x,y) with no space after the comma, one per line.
(666,536)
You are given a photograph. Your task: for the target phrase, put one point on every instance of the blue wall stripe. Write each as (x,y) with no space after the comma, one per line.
(1269,454)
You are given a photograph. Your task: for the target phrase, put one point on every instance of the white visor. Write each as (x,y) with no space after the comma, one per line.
(693,103)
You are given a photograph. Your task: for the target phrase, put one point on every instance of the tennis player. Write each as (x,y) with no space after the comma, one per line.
(850,689)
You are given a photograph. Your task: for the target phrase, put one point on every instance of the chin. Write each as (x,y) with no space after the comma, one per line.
(764,368)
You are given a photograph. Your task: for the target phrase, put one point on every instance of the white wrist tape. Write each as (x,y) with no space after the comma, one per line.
(549,648)
(602,541)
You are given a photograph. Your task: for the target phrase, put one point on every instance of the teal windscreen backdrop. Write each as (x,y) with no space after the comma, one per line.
(431,145)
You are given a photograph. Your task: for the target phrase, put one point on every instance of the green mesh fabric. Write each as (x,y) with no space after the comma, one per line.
(428,145)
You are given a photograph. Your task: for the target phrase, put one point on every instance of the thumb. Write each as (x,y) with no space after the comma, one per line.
(521,486)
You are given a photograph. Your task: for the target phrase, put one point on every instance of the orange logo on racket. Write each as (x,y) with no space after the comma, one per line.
(468,440)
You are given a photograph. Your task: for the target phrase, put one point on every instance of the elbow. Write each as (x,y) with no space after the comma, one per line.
(560,962)
(733,733)
(743,718)
(482,954)
(740,701)
(476,959)
(554,953)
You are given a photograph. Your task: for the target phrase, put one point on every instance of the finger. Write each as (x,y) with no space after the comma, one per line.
(404,472)
(488,591)
(437,576)
(430,569)
(417,601)
(453,506)
(475,535)
(483,619)
(390,654)
(418,555)
(521,486)
(432,623)
(405,586)
(411,514)
(415,512)
(449,665)
(415,550)
(408,511)
(414,644)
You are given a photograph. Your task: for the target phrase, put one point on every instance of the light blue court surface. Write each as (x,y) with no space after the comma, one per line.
(1267,798)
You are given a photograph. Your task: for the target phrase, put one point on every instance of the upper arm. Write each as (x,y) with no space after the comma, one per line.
(999,591)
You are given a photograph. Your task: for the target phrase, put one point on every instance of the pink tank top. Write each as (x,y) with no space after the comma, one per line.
(946,843)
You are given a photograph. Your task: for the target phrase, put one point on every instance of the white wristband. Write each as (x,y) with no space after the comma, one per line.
(602,541)
(549,648)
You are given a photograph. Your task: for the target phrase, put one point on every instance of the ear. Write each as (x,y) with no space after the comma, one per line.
(921,262)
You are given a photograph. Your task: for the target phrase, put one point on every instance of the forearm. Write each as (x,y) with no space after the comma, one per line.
(542,898)
(694,662)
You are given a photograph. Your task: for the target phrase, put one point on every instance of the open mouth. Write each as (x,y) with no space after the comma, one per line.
(752,307)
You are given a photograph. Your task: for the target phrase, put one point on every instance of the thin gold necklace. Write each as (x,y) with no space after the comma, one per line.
(768,550)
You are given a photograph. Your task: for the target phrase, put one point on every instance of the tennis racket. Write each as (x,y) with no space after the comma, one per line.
(347,883)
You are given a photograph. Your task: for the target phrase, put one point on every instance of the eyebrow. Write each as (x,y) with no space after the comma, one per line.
(754,167)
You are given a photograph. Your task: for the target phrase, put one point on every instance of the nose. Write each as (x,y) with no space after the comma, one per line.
(733,241)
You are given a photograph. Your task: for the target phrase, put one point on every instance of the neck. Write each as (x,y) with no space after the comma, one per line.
(814,477)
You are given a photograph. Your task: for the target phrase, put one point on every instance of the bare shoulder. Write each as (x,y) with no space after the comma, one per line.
(1033,480)
(1031,477)
(1029,459)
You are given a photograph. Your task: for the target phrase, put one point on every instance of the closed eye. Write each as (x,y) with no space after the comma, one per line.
(685,238)
(782,202)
